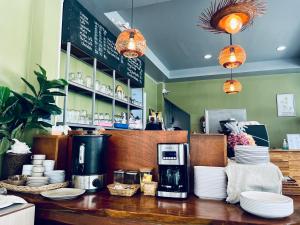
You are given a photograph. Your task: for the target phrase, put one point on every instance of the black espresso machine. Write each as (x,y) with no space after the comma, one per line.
(89,161)
(173,168)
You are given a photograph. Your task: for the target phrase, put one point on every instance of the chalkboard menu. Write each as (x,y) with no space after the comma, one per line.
(85,32)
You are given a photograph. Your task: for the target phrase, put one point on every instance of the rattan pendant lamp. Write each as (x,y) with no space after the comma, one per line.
(232,86)
(130,42)
(231,17)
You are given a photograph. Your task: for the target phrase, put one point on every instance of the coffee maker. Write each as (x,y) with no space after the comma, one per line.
(173,168)
(89,161)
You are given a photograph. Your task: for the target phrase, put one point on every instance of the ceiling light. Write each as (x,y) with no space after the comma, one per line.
(232,56)
(130,42)
(232,86)
(281,48)
(231,16)
(208,56)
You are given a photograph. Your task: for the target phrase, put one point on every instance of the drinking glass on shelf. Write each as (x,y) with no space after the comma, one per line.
(97,85)
(72,76)
(79,78)
(76,116)
(83,113)
(88,81)
(101,117)
(106,117)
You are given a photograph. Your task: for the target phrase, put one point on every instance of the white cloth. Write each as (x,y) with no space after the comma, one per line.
(244,177)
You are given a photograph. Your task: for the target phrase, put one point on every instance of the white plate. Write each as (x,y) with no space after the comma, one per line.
(267,205)
(5,203)
(63,193)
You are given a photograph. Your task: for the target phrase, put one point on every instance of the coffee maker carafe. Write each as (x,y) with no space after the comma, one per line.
(89,161)
(173,168)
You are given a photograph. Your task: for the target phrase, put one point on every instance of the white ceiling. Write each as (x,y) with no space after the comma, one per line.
(176,46)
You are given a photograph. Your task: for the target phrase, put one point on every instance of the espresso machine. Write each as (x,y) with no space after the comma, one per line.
(173,168)
(89,161)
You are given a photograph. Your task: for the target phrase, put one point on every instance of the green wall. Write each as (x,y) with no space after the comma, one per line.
(30,35)
(258,97)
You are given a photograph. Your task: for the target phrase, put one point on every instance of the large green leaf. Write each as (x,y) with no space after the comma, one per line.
(60,83)
(30,86)
(29,97)
(56,93)
(42,70)
(4,95)
(4,145)
(17,132)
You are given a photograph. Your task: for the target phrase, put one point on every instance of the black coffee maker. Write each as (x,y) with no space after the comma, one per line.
(173,167)
(89,161)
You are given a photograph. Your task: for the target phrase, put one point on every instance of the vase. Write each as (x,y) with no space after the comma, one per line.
(13,164)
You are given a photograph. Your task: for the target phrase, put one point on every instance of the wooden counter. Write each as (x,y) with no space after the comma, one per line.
(101,208)
(288,161)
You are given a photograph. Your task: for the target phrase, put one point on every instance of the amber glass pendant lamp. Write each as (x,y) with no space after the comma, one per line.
(130,42)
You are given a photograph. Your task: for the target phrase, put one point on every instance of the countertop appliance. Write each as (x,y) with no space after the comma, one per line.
(89,161)
(173,168)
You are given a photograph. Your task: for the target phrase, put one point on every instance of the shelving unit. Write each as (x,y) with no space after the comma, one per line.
(73,51)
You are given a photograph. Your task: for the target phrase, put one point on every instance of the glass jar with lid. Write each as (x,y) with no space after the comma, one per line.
(119,176)
(132,177)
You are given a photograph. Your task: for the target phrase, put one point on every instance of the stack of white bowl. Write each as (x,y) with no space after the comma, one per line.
(42,172)
(248,154)
(55,176)
(267,205)
(210,182)
(37,181)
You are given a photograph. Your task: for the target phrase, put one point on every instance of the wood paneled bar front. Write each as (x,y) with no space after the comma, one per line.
(134,149)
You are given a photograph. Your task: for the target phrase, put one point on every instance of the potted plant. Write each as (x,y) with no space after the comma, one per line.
(21,114)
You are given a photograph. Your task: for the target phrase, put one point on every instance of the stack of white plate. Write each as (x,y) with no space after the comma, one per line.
(266,204)
(37,181)
(210,182)
(247,154)
(56,176)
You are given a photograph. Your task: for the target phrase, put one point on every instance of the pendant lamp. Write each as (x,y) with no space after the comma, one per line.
(130,42)
(232,86)
(232,56)
(231,16)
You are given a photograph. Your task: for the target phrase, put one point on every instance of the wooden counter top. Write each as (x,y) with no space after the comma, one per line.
(101,208)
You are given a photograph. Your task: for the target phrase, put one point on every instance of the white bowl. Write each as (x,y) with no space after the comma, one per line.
(37,174)
(37,162)
(39,156)
(38,169)
(49,163)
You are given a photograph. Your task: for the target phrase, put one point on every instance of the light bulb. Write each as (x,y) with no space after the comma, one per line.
(231,87)
(232,57)
(233,23)
(131,44)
